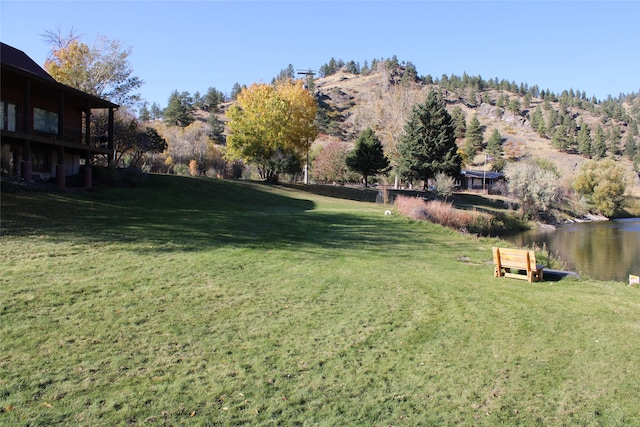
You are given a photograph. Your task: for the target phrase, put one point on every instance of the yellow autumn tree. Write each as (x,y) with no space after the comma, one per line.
(70,65)
(103,69)
(271,127)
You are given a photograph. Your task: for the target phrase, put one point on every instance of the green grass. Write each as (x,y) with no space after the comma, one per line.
(205,302)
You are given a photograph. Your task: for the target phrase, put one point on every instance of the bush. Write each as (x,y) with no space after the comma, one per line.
(181,169)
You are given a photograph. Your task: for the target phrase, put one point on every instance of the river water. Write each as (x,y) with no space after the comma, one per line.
(604,250)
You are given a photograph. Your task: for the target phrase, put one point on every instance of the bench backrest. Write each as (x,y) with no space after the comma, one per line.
(515,258)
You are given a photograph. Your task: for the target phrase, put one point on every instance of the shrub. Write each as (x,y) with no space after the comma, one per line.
(193,167)
(181,169)
(444,185)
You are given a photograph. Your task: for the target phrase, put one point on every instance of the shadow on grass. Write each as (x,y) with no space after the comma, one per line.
(175,213)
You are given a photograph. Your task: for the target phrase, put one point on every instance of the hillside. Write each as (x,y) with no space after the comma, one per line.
(349,95)
(383,100)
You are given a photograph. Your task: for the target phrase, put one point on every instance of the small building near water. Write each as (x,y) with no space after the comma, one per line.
(479,180)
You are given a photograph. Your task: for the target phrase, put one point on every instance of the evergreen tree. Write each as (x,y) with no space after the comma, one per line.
(286,74)
(156,111)
(235,91)
(537,120)
(552,122)
(599,147)
(216,128)
(410,74)
(559,139)
(459,122)
(365,70)
(352,67)
(144,114)
(502,101)
(429,143)
(473,137)
(368,157)
(630,147)
(614,140)
(584,140)
(494,144)
(179,111)
(514,106)
(212,99)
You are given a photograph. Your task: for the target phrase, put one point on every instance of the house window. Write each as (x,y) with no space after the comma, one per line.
(45,121)
(7,116)
(41,161)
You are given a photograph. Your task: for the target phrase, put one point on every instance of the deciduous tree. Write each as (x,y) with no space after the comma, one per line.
(103,69)
(271,120)
(330,163)
(534,186)
(603,183)
(386,111)
(132,142)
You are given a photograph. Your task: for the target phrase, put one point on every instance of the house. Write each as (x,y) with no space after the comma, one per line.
(479,180)
(45,126)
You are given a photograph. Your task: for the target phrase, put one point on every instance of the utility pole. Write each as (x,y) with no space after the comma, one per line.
(309,76)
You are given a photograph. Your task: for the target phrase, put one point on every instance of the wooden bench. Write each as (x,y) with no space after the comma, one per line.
(517,264)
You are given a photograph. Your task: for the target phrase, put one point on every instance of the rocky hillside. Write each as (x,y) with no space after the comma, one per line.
(356,101)
(382,100)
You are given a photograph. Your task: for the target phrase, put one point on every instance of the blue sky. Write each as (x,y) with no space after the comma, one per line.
(193,45)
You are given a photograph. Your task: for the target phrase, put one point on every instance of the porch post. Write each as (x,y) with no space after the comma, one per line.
(25,164)
(88,175)
(110,137)
(61,115)
(60,170)
(88,172)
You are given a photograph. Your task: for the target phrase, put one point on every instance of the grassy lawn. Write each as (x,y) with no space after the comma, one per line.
(205,302)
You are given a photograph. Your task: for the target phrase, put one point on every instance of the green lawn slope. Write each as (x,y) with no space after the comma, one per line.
(192,301)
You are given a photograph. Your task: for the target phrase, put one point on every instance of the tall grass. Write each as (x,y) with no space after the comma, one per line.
(193,301)
(443,213)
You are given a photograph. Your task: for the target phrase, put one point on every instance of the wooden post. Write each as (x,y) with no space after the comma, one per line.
(88,176)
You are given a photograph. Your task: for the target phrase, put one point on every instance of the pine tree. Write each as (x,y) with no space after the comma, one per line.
(473,137)
(599,147)
(584,140)
(429,143)
(235,91)
(494,144)
(156,111)
(179,111)
(459,122)
(630,147)
(614,140)
(559,139)
(368,157)
(216,128)
(514,106)
(144,114)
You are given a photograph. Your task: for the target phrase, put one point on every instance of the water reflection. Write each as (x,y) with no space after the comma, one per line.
(608,250)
